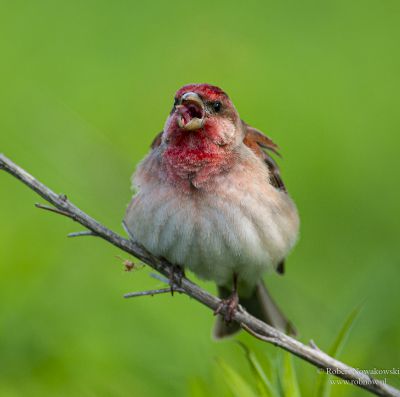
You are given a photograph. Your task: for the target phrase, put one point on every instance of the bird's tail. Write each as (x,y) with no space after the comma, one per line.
(261,305)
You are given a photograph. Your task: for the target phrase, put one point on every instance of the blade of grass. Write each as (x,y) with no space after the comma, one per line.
(290,385)
(235,382)
(323,385)
(197,388)
(265,387)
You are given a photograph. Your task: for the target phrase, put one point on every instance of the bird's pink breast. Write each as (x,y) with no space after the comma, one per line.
(193,156)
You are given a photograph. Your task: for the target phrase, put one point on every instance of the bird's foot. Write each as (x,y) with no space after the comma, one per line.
(228,307)
(176,275)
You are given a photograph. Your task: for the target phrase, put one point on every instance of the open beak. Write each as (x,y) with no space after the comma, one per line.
(191,112)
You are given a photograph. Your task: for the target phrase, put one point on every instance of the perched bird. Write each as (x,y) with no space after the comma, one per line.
(210,198)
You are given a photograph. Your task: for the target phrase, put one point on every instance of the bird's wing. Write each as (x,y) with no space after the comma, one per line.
(262,146)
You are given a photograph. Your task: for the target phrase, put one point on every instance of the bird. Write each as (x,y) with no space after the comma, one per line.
(209,197)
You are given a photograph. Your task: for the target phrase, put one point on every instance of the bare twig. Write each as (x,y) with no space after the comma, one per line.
(80,234)
(264,338)
(251,324)
(152,292)
(159,277)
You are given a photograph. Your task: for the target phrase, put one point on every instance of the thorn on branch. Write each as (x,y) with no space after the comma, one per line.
(173,287)
(313,345)
(53,209)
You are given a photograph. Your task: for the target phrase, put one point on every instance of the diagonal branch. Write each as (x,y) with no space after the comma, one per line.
(251,324)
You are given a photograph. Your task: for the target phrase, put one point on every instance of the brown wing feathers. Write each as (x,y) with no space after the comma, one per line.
(260,144)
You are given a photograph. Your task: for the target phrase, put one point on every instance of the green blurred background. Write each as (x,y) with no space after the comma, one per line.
(85,86)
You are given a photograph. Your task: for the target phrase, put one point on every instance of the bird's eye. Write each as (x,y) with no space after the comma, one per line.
(217,106)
